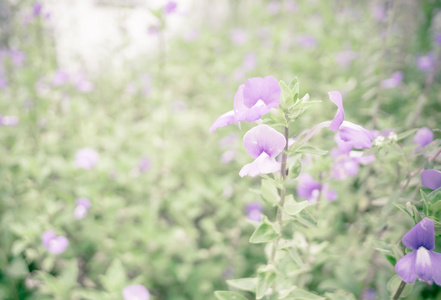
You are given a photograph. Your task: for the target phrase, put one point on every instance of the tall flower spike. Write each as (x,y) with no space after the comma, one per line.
(431,179)
(262,143)
(252,100)
(422,263)
(356,135)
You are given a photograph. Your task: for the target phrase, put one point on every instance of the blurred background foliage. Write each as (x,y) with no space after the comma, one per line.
(178,225)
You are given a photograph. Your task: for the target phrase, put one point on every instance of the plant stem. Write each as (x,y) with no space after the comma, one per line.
(282,194)
(399,291)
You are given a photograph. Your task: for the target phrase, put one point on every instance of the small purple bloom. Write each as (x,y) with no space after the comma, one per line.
(426,63)
(144,164)
(307,41)
(344,58)
(356,135)
(379,13)
(438,38)
(291,5)
(422,263)
(36,10)
(53,243)
(238,36)
(431,179)
(262,143)
(423,137)
(170,7)
(60,77)
(273,7)
(17,57)
(86,158)
(82,206)
(310,189)
(392,82)
(252,100)
(135,292)
(254,211)
(9,121)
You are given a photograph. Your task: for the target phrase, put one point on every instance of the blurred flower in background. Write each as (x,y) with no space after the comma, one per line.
(423,137)
(426,63)
(254,211)
(86,158)
(82,206)
(135,292)
(392,82)
(53,243)
(431,179)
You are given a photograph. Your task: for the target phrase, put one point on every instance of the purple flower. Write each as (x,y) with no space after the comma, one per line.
(310,189)
(356,135)
(252,100)
(53,243)
(17,57)
(144,164)
(9,120)
(86,158)
(254,211)
(273,7)
(60,77)
(170,7)
(153,30)
(36,10)
(238,36)
(82,206)
(392,82)
(438,38)
(423,137)
(379,13)
(135,292)
(344,58)
(426,62)
(82,84)
(262,143)
(431,179)
(422,263)
(307,41)
(291,5)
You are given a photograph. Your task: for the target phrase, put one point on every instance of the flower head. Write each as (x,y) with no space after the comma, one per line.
(53,243)
(431,179)
(86,158)
(422,263)
(392,82)
(356,135)
(135,292)
(144,164)
(426,62)
(82,206)
(423,137)
(262,143)
(170,7)
(254,211)
(253,99)
(310,189)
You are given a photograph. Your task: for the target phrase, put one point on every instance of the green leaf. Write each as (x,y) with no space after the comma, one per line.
(306,219)
(264,233)
(294,166)
(287,94)
(296,293)
(294,87)
(115,277)
(264,282)
(269,191)
(292,207)
(70,275)
(406,134)
(311,150)
(227,295)
(243,284)
(87,294)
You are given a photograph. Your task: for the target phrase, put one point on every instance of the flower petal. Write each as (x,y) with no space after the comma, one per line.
(423,137)
(431,179)
(336,98)
(421,235)
(261,165)
(58,245)
(135,292)
(263,138)
(359,137)
(224,120)
(47,236)
(266,89)
(306,186)
(435,258)
(405,267)
(423,265)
